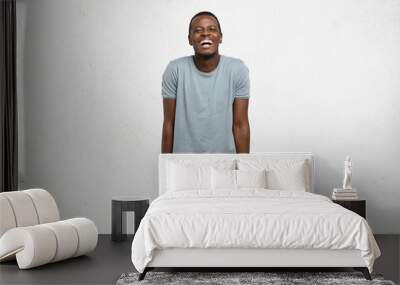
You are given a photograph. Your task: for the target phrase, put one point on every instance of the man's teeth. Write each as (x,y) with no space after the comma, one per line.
(206,42)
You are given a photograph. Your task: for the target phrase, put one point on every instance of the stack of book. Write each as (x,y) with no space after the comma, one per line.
(344,194)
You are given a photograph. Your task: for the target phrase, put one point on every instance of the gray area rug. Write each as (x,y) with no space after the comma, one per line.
(273,278)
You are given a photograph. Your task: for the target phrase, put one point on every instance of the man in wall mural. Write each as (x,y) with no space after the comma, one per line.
(205,96)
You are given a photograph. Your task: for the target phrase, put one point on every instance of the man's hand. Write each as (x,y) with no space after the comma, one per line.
(241,126)
(167,141)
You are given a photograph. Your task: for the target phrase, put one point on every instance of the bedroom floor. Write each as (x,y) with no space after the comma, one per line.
(110,260)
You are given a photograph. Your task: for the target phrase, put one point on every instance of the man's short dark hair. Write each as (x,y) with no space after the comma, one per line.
(205,13)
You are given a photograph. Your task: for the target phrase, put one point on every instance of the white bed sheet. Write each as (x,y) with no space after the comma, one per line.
(250,218)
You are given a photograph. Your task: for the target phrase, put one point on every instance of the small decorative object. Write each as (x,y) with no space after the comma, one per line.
(347,173)
(347,192)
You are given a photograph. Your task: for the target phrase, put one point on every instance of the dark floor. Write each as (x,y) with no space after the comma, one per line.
(110,260)
(103,266)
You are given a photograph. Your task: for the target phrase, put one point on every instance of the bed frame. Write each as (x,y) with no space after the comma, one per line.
(246,259)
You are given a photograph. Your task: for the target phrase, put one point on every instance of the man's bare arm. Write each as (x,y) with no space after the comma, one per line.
(167,140)
(241,126)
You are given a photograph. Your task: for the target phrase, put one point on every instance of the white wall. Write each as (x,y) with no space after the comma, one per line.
(324,75)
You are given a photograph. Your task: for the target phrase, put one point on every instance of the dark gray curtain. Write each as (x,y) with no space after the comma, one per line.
(8,93)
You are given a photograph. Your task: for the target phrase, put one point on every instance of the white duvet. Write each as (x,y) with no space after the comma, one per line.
(250,218)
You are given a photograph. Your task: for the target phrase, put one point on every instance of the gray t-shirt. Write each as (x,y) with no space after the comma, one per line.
(203,116)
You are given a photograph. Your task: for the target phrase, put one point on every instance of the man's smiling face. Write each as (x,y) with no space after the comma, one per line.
(205,35)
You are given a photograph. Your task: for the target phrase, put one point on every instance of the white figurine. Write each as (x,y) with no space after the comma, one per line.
(347,173)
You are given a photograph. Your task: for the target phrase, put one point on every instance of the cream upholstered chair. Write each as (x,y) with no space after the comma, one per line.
(31,230)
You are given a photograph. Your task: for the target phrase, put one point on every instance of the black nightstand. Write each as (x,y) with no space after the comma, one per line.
(357,206)
(119,206)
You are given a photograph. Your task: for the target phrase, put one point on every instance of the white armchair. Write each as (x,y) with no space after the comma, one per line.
(31,230)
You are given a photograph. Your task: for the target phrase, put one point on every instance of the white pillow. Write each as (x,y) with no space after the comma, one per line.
(188,177)
(282,174)
(189,174)
(251,178)
(223,179)
(219,163)
(236,179)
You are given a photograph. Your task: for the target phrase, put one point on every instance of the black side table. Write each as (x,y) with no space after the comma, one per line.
(357,206)
(119,206)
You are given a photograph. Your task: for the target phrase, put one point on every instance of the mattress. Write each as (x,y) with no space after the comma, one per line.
(251,219)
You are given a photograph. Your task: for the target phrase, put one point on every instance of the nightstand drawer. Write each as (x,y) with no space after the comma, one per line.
(357,206)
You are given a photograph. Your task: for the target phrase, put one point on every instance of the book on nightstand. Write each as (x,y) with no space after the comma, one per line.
(344,194)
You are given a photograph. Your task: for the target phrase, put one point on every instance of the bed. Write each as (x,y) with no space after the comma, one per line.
(245,211)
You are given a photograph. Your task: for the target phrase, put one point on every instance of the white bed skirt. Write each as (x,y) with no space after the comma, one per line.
(193,257)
